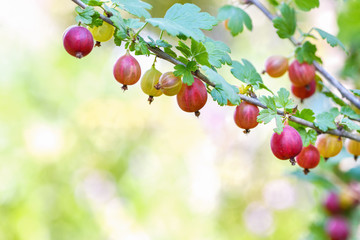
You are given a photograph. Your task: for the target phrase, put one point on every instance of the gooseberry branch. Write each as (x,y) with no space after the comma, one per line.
(331,79)
(161,54)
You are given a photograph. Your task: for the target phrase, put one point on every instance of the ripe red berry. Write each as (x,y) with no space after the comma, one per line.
(78,41)
(276,66)
(301,74)
(127,70)
(332,203)
(337,228)
(286,145)
(304,91)
(308,158)
(245,116)
(192,98)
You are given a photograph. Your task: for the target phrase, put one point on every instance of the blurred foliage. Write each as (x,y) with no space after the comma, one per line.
(349,33)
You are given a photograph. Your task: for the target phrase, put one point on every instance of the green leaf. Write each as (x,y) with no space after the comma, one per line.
(273,2)
(325,120)
(199,52)
(286,24)
(306,114)
(279,124)
(141,47)
(247,73)
(356,92)
(185,72)
(266,115)
(348,111)
(184,49)
(350,125)
(133,23)
(283,101)
(307,5)
(93,2)
(269,102)
(135,7)
(223,91)
(237,19)
(332,40)
(307,137)
(306,53)
(170,52)
(185,20)
(218,52)
(119,35)
(335,98)
(163,43)
(88,16)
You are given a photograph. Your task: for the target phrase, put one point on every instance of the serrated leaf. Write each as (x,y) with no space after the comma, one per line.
(141,47)
(218,52)
(325,120)
(279,124)
(163,43)
(119,35)
(88,16)
(185,72)
(186,20)
(307,137)
(283,101)
(350,124)
(335,98)
(332,40)
(133,23)
(223,91)
(135,7)
(93,2)
(199,52)
(286,24)
(306,114)
(170,52)
(247,73)
(307,5)
(184,49)
(348,111)
(269,102)
(266,115)
(307,53)
(237,19)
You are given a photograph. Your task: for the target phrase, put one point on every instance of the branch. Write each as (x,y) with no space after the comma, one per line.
(159,53)
(332,80)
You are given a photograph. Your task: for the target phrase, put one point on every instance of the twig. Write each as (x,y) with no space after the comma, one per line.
(332,80)
(161,54)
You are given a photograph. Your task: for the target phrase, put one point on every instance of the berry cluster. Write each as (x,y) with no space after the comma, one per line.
(79,41)
(301,75)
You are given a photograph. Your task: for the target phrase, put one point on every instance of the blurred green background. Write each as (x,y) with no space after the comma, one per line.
(81,160)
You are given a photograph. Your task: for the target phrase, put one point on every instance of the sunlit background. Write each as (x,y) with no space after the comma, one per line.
(81,159)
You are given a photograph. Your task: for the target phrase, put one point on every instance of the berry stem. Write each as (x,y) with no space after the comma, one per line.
(292,161)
